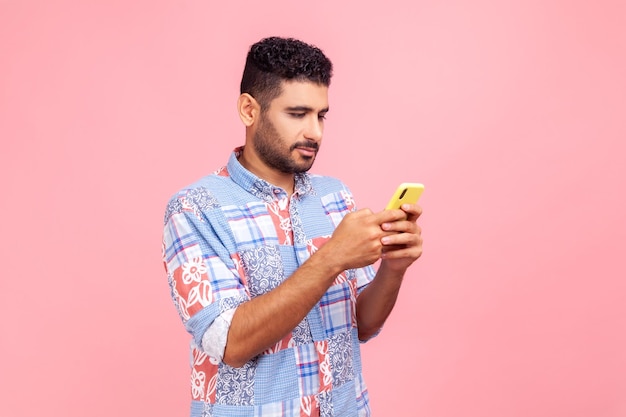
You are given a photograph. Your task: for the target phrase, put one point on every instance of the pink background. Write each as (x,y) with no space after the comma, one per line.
(511,113)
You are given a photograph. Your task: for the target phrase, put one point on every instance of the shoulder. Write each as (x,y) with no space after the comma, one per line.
(205,185)
(197,196)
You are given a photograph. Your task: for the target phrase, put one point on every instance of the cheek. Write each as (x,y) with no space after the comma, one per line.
(290,132)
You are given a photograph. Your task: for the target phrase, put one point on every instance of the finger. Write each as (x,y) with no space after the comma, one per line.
(390,216)
(406,239)
(405,226)
(397,245)
(400,252)
(413,211)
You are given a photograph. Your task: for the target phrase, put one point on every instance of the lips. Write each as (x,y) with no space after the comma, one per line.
(308,151)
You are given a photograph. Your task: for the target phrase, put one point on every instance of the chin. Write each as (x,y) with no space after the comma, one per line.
(302,168)
(305,167)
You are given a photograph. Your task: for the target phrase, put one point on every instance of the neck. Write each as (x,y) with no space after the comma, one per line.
(252,163)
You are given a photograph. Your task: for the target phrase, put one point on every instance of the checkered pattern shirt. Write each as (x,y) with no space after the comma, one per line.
(232,236)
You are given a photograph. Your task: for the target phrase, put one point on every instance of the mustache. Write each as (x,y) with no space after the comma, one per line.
(310,145)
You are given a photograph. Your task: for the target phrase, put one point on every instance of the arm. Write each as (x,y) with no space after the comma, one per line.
(401,249)
(199,267)
(264,320)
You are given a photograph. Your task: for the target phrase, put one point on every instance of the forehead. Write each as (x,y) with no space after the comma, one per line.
(302,93)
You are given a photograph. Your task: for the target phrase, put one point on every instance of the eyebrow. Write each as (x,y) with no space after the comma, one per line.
(305,109)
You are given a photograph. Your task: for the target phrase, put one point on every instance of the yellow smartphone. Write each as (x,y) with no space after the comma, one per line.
(407,192)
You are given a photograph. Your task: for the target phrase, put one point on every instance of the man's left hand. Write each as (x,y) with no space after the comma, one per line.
(403,245)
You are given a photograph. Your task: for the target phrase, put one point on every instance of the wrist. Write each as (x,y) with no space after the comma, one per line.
(328,262)
(392,269)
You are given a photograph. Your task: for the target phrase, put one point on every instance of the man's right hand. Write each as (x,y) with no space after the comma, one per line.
(356,242)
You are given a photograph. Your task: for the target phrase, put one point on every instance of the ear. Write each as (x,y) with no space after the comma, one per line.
(248,109)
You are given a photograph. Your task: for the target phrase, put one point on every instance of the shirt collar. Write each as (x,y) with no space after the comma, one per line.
(261,188)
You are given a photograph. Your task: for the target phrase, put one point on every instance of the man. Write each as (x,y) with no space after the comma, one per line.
(271,267)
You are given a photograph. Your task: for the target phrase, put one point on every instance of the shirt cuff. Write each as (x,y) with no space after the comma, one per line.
(214,339)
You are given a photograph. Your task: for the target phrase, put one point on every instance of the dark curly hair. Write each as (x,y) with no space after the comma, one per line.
(274,59)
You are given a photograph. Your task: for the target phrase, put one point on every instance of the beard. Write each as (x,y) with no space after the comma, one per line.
(273,151)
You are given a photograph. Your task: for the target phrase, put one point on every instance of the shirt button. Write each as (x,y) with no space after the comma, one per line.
(276,191)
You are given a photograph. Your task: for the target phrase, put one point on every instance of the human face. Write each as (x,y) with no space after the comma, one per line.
(290,130)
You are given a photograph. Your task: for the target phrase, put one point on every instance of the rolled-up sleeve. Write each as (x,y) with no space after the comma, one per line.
(203,276)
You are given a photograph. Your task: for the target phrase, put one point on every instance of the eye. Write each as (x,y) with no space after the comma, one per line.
(321,116)
(297,115)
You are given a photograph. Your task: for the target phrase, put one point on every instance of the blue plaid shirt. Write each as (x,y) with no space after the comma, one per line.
(232,236)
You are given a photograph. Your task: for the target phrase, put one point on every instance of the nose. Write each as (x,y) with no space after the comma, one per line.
(314,128)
